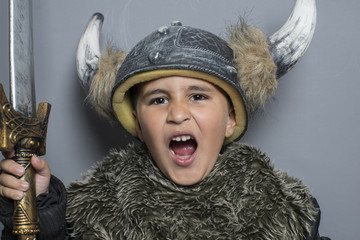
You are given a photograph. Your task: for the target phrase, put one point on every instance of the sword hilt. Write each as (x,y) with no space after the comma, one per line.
(27,136)
(25,219)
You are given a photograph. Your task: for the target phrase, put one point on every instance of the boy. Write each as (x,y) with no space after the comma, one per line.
(178,92)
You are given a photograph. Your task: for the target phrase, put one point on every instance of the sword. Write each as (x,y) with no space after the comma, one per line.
(22,128)
(22,84)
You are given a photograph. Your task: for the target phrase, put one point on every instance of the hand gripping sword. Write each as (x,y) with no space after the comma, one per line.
(22,128)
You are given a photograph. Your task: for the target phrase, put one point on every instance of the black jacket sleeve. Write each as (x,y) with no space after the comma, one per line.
(51,212)
(314,232)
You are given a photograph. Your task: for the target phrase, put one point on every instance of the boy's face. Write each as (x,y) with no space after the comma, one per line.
(183,121)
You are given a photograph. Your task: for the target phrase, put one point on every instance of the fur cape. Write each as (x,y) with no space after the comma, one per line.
(243,197)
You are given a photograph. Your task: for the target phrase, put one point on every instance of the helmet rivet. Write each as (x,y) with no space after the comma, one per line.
(176,23)
(163,30)
(232,71)
(154,57)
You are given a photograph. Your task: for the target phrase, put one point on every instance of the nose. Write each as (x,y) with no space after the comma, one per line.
(178,113)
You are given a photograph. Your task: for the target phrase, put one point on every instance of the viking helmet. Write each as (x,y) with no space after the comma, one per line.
(246,65)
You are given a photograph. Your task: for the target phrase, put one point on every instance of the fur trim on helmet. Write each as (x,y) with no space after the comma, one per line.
(104,80)
(256,68)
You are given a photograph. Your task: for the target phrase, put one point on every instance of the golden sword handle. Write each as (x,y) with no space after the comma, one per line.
(25,219)
(27,136)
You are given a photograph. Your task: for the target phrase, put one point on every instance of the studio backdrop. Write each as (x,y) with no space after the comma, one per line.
(310,127)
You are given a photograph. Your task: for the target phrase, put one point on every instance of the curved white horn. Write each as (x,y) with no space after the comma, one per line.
(88,51)
(289,44)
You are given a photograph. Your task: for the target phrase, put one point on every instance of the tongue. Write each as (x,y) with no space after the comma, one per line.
(183,148)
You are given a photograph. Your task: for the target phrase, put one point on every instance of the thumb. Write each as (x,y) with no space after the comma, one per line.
(43,174)
(40,166)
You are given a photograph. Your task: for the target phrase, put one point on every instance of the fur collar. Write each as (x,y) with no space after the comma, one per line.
(127,197)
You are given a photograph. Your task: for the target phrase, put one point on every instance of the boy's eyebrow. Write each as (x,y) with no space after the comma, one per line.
(155,91)
(190,88)
(199,88)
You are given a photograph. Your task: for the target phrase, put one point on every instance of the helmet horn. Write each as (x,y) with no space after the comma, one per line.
(289,44)
(88,51)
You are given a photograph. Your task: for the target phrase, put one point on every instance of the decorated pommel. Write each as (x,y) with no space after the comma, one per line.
(15,126)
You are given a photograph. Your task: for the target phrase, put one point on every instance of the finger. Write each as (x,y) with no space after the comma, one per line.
(41,166)
(8,154)
(11,193)
(42,178)
(11,167)
(9,181)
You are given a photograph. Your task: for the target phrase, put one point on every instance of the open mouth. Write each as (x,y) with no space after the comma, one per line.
(183,149)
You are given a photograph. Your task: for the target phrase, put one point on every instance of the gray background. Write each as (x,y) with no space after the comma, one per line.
(310,128)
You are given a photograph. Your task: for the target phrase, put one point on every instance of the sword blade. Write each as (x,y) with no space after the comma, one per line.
(22,86)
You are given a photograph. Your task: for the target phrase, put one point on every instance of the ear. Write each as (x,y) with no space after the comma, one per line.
(231,123)
(137,126)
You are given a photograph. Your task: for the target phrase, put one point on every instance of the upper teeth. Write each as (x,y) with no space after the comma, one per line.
(181,138)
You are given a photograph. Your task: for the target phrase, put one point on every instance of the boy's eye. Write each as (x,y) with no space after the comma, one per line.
(159,100)
(198,97)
